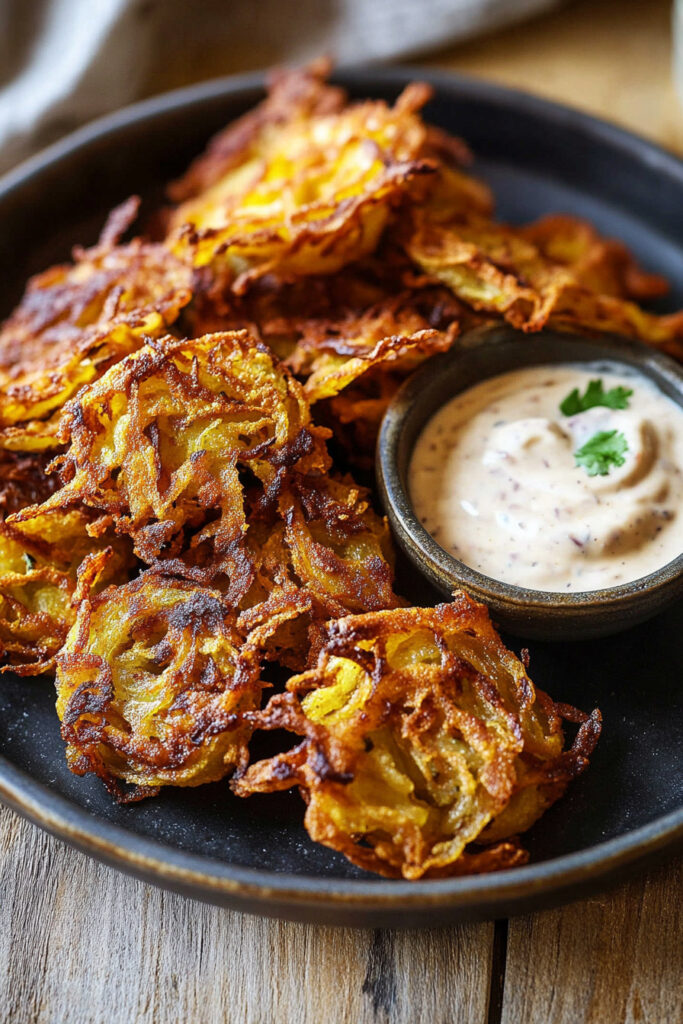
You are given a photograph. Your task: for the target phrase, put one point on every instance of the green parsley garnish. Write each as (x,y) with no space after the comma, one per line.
(595,394)
(601,451)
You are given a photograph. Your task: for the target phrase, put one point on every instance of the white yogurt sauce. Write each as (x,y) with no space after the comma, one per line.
(494,479)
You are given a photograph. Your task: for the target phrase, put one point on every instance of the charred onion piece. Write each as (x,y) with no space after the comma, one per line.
(305,194)
(76,320)
(422,735)
(39,560)
(152,685)
(160,443)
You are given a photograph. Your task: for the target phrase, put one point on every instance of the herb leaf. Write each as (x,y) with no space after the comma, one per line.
(595,394)
(602,451)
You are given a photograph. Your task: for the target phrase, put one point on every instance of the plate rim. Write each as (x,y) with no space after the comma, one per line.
(396,76)
(514,890)
(170,866)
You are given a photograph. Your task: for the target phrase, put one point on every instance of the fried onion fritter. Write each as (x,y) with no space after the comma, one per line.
(359,331)
(306,195)
(293,95)
(354,347)
(74,321)
(326,554)
(499,270)
(159,443)
(153,682)
(339,548)
(39,561)
(422,735)
(603,266)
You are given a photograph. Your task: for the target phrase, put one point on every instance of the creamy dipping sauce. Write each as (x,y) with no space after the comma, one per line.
(494,479)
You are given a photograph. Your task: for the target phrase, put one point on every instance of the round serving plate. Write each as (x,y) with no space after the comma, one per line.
(254,855)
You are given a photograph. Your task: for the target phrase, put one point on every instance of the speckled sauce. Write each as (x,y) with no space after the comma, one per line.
(493,477)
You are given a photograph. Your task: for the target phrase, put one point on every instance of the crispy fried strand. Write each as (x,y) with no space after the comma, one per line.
(422,734)
(39,560)
(76,320)
(499,270)
(24,480)
(325,554)
(304,194)
(152,685)
(159,442)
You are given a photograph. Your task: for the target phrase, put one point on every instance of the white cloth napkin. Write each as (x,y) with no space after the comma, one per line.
(63,62)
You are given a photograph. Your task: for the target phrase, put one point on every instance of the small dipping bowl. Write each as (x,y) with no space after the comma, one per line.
(538,614)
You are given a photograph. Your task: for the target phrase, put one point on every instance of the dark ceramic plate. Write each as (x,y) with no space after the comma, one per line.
(254,855)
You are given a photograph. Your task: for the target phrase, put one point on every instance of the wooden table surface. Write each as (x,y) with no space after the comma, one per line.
(82,944)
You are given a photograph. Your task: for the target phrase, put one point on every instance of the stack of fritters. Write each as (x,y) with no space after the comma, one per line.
(178,420)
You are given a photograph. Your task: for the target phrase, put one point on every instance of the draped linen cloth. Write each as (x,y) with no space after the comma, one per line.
(63,62)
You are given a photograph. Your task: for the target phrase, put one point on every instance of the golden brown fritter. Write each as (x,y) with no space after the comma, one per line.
(323,554)
(39,561)
(499,270)
(76,320)
(161,442)
(152,684)
(422,735)
(38,565)
(602,265)
(293,95)
(305,194)
(339,548)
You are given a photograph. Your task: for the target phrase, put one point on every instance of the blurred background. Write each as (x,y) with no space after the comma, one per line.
(63,62)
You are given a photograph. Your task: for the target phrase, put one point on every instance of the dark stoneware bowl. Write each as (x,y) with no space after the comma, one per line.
(254,855)
(538,614)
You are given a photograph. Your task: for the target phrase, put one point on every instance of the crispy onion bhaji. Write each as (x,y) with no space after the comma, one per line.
(161,442)
(421,735)
(152,683)
(501,270)
(77,319)
(303,194)
(325,554)
(604,266)
(351,337)
(39,562)
(293,95)
(338,546)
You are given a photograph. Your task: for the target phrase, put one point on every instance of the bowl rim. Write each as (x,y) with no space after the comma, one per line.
(443,568)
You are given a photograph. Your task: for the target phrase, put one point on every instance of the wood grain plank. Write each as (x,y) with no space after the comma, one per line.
(82,944)
(614,958)
(610,58)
